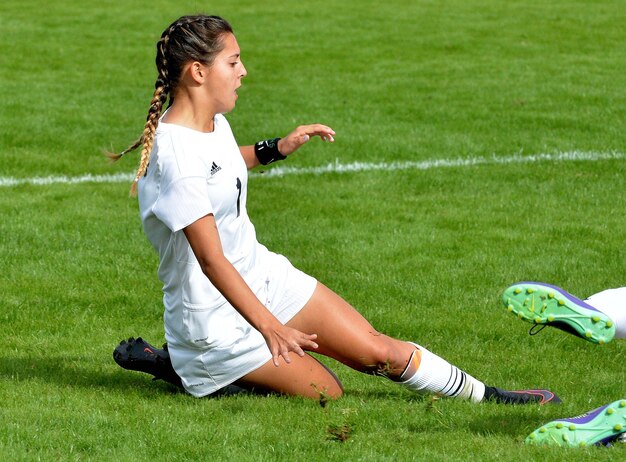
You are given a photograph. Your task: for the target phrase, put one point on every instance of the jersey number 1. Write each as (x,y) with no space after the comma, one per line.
(238,196)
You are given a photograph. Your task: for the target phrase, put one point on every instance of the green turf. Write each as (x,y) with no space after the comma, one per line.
(424,254)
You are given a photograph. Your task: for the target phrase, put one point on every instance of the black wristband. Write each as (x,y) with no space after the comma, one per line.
(267,151)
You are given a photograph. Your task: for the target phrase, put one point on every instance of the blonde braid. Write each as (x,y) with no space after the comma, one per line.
(154,113)
(147,138)
(115,157)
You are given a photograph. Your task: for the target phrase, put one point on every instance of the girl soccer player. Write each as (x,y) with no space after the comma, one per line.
(235,312)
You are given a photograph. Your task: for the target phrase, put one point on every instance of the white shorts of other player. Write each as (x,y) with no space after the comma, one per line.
(612,302)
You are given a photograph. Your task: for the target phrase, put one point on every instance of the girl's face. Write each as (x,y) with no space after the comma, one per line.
(224,76)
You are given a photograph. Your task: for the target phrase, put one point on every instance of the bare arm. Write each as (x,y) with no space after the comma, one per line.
(206,245)
(247,152)
(291,142)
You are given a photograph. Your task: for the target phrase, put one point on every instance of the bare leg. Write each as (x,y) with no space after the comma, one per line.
(303,376)
(345,335)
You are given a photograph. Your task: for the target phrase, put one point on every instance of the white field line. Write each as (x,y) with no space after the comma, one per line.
(439,163)
(337,167)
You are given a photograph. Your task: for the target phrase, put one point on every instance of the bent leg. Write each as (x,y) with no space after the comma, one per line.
(345,335)
(304,376)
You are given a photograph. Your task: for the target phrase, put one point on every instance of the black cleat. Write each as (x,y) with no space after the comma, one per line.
(520,396)
(139,355)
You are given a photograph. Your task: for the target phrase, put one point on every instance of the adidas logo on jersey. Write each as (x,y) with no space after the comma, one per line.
(215,168)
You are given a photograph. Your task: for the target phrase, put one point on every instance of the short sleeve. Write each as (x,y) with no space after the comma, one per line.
(183,202)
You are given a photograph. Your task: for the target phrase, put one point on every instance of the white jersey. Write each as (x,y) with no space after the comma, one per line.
(193,174)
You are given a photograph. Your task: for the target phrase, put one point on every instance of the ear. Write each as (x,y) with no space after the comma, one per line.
(197,71)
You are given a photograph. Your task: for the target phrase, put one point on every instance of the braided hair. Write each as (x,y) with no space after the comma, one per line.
(189,38)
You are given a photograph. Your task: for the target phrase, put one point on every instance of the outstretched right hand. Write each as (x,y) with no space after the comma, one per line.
(282,339)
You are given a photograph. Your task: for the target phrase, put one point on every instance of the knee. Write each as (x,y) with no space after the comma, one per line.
(386,359)
(332,391)
(330,388)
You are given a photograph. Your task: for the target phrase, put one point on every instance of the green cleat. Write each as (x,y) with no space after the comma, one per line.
(602,426)
(547,305)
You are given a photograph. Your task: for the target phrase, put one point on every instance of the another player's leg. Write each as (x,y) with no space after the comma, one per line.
(612,302)
(547,305)
(600,426)
(344,334)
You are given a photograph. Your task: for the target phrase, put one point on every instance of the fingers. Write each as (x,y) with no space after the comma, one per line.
(324,132)
(308,342)
(303,134)
(298,344)
(284,352)
(278,352)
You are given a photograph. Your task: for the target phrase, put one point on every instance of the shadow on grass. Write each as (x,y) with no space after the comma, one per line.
(511,424)
(506,425)
(431,413)
(392,391)
(75,371)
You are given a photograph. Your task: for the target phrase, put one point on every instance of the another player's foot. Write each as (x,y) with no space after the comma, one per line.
(601,426)
(139,355)
(547,305)
(520,396)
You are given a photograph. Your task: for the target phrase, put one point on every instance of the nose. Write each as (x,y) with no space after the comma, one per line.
(244,72)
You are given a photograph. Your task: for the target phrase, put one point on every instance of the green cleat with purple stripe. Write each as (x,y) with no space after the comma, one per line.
(602,426)
(547,305)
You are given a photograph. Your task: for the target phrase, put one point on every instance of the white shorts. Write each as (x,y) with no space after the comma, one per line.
(231,347)
(612,302)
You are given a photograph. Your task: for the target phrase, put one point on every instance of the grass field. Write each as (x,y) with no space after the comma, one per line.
(423,251)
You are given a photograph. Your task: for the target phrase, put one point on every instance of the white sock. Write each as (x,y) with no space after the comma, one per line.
(436,375)
(612,302)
